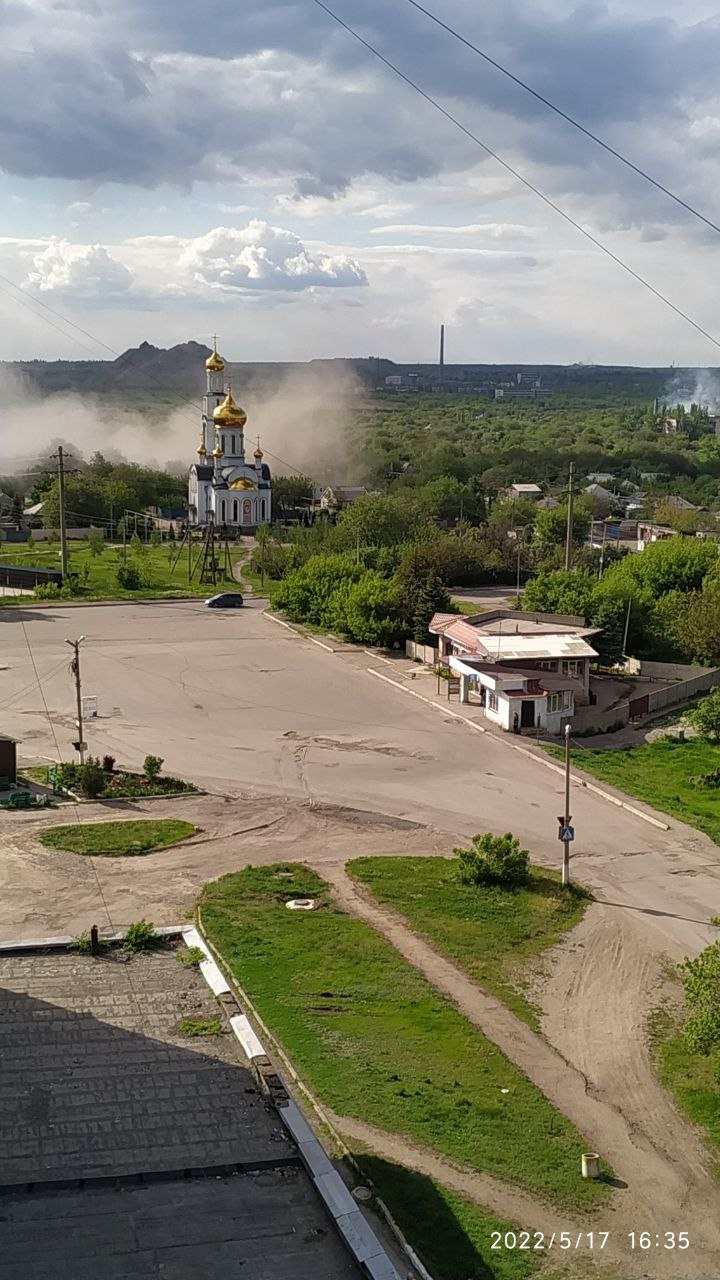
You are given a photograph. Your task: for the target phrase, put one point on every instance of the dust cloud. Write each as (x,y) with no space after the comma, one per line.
(304,423)
(695,386)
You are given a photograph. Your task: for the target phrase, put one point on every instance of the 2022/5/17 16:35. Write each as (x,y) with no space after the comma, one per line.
(540,1241)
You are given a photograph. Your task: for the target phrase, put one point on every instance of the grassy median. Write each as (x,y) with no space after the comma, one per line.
(97,574)
(375,1041)
(117,839)
(489,931)
(662,774)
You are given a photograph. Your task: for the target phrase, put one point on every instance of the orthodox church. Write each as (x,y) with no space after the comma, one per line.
(224,489)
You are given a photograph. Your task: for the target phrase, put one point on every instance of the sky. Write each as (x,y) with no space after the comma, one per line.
(169,170)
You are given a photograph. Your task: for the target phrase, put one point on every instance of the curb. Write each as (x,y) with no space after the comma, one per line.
(429,702)
(577,782)
(355,1230)
(61,942)
(302,635)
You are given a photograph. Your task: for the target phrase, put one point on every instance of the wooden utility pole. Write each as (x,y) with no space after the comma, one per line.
(567,833)
(61,456)
(75,671)
(569,533)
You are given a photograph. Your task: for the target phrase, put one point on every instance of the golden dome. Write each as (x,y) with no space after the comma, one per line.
(229,414)
(215,363)
(258,453)
(201,449)
(217,451)
(243,483)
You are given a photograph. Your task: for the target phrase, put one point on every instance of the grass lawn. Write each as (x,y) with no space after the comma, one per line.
(692,1078)
(661,773)
(117,839)
(451,1235)
(489,932)
(374,1040)
(154,564)
(468,608)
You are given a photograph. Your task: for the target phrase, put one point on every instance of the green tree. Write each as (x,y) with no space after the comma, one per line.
(698,627)
(705,717)
(421,593)
(136,545)
(494,860)
(609,615)
(292,491)
(551,528)
(95,542)
(305,594)
(701,980)
(562,591)
(368,611)
(380,520)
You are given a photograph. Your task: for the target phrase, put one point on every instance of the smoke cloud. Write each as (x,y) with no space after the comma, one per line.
(695,386)
(303,418)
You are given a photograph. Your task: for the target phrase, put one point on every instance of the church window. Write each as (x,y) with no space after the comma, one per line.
(262,509)
(235,511)
(233,446)
(222,445)
(222,511)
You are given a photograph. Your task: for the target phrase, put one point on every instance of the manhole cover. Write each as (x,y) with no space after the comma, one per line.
(300,904)
(363,1194)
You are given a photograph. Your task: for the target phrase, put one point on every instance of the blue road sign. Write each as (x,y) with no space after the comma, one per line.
(567,833)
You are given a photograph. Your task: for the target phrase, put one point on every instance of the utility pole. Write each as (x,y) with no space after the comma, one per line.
(61,499)
(602,549)
(567,834)
(75,671)
(627,627)
(569,533)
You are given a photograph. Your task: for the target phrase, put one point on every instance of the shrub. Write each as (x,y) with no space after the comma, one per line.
(494,860)
(705,717)
(83,945)
(141,936)
(128,577)
(90,777)
(701,980)
(108,764)
(368,611)
(152,766)
(192,958)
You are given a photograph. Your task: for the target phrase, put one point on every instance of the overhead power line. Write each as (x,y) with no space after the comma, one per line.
(564,115)
(428,97)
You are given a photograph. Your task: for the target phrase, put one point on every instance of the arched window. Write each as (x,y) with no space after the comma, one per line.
(262,509)
(233,446)
(222,443)
(235,510)
(222,511)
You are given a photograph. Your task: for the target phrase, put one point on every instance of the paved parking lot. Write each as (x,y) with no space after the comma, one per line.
(131,1150)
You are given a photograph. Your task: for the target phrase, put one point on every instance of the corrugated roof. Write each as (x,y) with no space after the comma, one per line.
(542,646)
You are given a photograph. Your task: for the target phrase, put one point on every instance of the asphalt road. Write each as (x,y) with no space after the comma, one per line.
(240,704)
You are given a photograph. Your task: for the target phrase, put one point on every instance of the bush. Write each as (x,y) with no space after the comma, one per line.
(108,764)
(90,778)
(152,766)
(305,593)
(128,577)
(705,717)
(141,936)
(701,980)
(192,958)
(494,860)
(83,945)
(368,611)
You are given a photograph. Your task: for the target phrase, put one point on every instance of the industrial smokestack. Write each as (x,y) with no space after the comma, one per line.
(442,350)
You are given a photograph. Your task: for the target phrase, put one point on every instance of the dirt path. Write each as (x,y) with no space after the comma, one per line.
(663,1185)
(510,1203)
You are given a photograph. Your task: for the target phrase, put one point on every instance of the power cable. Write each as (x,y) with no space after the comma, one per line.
(516,174)
(565,115)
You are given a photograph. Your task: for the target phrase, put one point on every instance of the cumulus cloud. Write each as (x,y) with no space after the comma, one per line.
(494,230)
(262,257)
(82,271)
(148,92)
